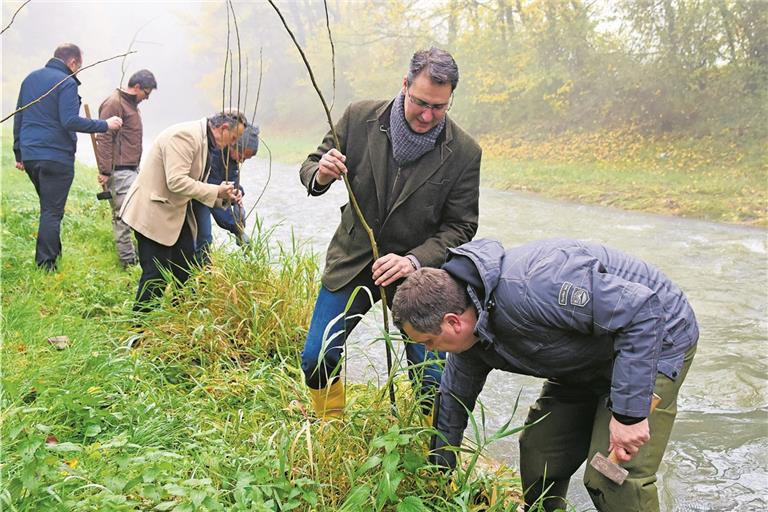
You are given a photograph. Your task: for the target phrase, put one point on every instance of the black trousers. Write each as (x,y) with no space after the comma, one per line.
(52,181)
(155,257)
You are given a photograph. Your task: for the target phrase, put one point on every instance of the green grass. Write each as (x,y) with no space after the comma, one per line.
(737,196)
(208,410)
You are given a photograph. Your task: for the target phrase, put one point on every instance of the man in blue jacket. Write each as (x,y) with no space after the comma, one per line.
(232,217)
(605,329)
(44,142)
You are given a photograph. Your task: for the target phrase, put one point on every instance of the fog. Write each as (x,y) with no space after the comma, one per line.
(183,43)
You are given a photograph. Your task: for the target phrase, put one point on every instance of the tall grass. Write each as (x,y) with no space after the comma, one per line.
(198,405)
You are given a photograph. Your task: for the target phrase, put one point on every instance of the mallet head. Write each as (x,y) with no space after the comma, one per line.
(609,469)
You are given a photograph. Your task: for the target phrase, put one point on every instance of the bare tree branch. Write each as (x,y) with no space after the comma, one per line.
(14,16)
(61,82)
(333,52)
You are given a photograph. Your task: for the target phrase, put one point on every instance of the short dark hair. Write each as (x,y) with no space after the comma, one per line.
(67,51)
(229,117)
(425,297)
(144,79)
(437,63)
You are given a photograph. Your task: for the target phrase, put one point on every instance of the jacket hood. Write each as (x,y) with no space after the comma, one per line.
(478,263)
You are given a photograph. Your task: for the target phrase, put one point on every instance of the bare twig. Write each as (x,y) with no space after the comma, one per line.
(333,52)
(352,198)
(130,47)
(269,177)
(258,88)
(239,54)
(61,82)
(14,16)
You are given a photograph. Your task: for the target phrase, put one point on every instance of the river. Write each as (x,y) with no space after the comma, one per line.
(717,459)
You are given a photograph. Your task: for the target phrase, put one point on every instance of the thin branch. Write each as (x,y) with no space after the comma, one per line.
(258,88)
(14,16)
(226,60)
(333,52)
(61,82)
(239,54)
(130,47)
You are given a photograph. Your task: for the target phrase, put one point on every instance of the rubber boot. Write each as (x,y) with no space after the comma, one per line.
(329,402)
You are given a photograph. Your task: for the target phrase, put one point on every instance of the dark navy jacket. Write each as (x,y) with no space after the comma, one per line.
(226,218)
(562,309)
(46,129)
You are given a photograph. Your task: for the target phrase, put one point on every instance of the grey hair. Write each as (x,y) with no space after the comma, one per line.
(144,79)
(68,51)
(249,139)
(437,63)
(425,297)
(230,118)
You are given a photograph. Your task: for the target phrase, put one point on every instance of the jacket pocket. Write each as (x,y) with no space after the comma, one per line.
(158,198)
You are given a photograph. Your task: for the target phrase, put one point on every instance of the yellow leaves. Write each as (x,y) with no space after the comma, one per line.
(621,148)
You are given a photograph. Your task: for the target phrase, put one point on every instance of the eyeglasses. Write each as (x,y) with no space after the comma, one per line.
(438,109)
(147,92)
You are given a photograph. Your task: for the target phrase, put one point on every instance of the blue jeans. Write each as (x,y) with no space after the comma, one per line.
(204,231)
(232,219)
(322,363)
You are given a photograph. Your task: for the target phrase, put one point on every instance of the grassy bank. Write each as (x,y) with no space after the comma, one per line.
(721,178)
(199,405)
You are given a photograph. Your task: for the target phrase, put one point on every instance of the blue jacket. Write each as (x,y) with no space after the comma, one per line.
(566,310)
(46,129)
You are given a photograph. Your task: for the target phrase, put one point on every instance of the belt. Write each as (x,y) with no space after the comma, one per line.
(125,167)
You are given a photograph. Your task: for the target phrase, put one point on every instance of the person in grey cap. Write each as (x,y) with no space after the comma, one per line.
(605,329)
(231,217)
(118,154)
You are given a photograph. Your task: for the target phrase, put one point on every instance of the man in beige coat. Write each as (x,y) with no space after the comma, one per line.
(157,205)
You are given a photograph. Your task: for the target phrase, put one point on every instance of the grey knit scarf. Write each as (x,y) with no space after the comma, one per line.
(407,145)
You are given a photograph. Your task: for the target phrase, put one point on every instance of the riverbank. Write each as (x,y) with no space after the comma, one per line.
(198,405)
(715,178)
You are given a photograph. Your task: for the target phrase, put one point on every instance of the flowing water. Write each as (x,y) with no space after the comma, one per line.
(717,459)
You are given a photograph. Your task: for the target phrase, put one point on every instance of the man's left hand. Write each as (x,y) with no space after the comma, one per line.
(626,440)
(390,268)
(238,199)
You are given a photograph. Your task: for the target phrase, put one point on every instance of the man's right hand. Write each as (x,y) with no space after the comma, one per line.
(103,179)
(330,167)
(20,166)
(114,123)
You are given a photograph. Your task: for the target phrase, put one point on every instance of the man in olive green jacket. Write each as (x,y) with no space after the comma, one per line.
(415,174)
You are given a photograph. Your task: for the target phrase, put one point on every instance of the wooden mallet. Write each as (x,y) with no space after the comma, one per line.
(105,193)
(609,466)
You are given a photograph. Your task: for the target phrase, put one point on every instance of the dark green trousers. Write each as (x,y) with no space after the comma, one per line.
(576,427)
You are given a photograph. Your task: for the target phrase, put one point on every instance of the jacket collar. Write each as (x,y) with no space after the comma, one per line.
(487,255)
(130,98)
(55,63)
(420,172)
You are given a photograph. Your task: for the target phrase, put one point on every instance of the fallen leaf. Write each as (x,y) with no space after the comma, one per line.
(60,342)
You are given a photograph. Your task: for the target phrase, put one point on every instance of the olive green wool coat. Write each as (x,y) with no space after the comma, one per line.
(436,209)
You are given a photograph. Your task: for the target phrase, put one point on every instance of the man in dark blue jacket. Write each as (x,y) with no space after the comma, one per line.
(605,329)
(44,141)
(231,218)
